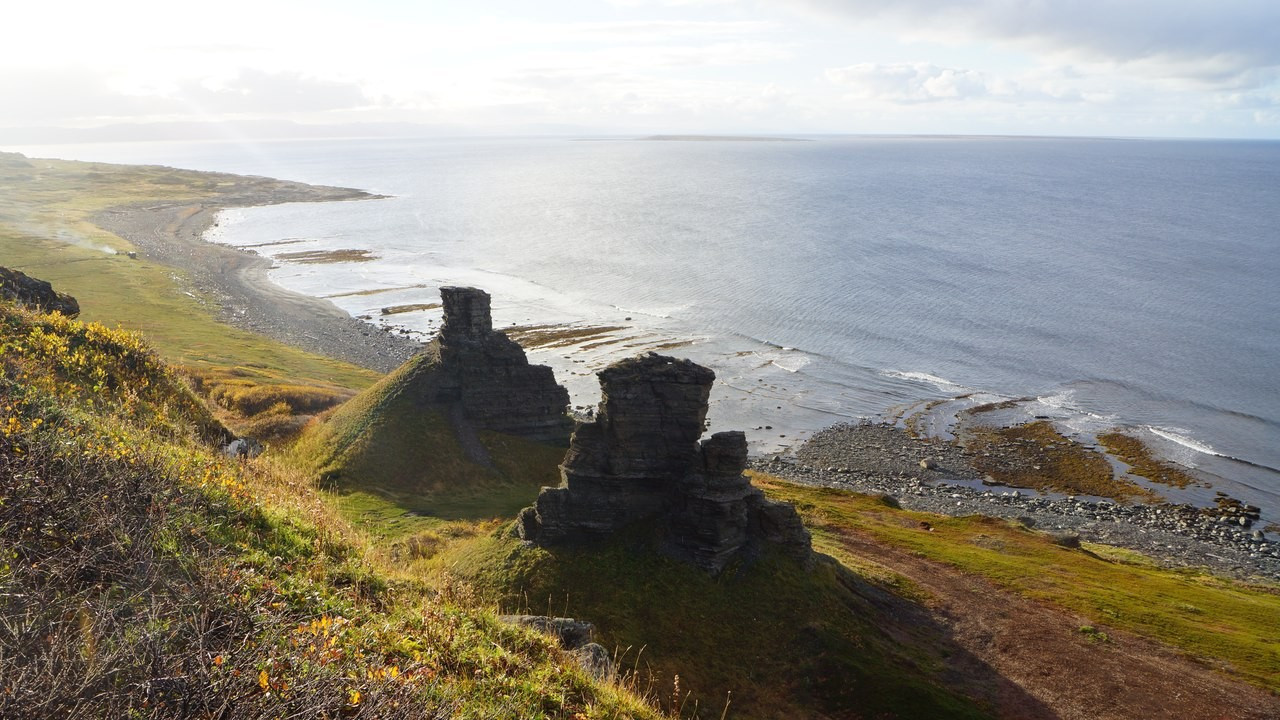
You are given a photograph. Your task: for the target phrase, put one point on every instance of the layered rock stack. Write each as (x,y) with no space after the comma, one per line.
(640,460)
(488,376)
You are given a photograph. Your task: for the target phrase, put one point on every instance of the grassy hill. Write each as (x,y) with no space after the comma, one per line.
(398,465)
(144,575)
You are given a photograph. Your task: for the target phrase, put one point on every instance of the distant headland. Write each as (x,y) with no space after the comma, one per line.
(723,138)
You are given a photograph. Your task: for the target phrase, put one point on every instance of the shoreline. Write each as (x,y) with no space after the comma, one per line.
(879,459)
(173,234)
(236,279)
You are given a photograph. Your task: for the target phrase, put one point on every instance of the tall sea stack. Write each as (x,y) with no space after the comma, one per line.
(488,375)
(640,460)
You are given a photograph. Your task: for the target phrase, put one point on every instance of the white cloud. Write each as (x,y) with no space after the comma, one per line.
(910,82)
(1224,43)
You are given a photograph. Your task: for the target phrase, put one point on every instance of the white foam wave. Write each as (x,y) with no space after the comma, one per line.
(665,315)
(792,364)
(1184,441)
(940,383)
(1061,401)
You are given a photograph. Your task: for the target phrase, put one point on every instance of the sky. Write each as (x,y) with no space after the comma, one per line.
(1131,68)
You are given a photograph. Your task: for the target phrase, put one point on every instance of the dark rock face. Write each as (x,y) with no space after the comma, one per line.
(640,459)
(35,294)
(489,376)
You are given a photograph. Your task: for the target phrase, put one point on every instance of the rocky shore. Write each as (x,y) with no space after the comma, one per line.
(236,280)
(883,459)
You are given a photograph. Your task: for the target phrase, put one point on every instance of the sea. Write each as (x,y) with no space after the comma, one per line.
(1100,283)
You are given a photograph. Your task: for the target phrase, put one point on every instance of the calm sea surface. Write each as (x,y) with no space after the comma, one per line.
(1109,282)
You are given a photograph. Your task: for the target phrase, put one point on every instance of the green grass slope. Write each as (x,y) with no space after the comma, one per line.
(143,575)
(46,230)
(386,448)
(1222,623)
(765,641)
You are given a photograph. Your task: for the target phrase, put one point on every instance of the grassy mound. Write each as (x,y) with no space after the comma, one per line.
(143,575)
(769,640)
(387,444)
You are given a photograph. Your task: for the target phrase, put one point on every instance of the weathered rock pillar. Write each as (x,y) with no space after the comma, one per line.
(640,460)
(489,375)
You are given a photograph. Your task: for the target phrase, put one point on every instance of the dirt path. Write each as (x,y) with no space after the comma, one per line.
(1041,652)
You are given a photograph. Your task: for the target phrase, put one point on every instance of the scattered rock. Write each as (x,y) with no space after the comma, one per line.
(882,459)
(572,634)
(246,448)
(1066,540)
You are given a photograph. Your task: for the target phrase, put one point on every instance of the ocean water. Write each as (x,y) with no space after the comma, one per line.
(1129,283)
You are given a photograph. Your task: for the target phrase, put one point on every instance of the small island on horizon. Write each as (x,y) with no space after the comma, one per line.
(722,138)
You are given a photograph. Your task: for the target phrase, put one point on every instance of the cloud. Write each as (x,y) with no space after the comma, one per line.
(911,82)
(78,95)
(253,91)
(68,94)
(1223,43)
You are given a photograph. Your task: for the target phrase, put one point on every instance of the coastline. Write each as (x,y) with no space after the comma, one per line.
(236,280)
(884,460)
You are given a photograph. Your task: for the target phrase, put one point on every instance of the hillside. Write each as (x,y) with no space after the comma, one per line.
(144,575)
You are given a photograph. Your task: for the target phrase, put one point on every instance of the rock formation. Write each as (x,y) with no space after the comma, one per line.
(35,294)
(640,459)
(488,376)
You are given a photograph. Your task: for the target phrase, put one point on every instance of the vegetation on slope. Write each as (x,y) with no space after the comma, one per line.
(46,229)
(386,446)
(143,575)
(769,640)
(1222,622)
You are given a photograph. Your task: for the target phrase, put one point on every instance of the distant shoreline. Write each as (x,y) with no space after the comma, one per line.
(174,234)
(721,138)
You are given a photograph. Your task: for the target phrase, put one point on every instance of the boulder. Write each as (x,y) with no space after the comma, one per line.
(572,634)
(595,660)
(640,460)
(35,294)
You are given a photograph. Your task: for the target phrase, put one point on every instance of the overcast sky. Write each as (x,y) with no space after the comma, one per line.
(1192,68)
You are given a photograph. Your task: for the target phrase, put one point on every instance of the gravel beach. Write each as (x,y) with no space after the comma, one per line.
(173,234)
(884,459)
